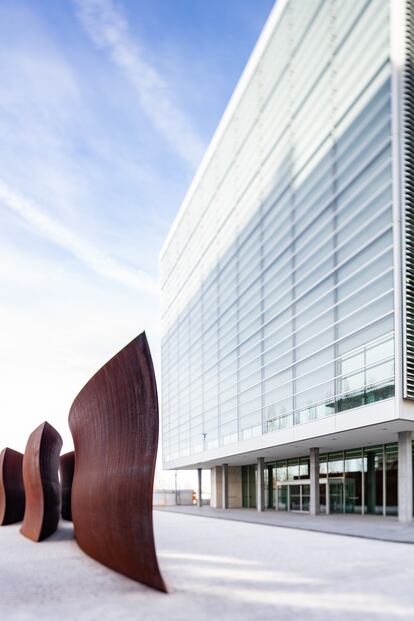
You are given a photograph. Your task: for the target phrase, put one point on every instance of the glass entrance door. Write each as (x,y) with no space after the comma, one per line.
(322,497)
(336,496)
(305,497)
(282,497)
(295,503)
(293,497)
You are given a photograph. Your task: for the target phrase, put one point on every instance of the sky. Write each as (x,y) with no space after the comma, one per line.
(106,109)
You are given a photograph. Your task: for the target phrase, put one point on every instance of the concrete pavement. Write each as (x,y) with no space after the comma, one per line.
(223,570)
(364,526)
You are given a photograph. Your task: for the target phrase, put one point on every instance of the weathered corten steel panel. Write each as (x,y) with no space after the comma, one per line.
(114,423)
(41,483)
(66,469)
(11,487)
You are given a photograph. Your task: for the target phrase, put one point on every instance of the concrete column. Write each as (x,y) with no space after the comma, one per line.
(260,485)
(200,487)
(314,505)
(225,486)
(405,476)
(216,495)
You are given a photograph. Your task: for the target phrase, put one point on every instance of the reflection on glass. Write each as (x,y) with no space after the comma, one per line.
(391,471)
(322,497)
(353,363)
(380,351)
(336,464)
(353,382)
(304,468)
(374,470)
(282,498)
(305,497)
(336,496)
(351,475)
(323,465)
(293,469)
(294,493)
(249,486)
(267,490)
(380,373)
(273,499)
(281,471)
(353,481)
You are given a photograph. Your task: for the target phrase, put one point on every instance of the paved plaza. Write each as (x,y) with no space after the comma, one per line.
(215,570)
(351,524)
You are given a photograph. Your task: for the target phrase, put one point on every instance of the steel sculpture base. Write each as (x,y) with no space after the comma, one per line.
(66,469)
(11,487)
(41,483)
(114,423)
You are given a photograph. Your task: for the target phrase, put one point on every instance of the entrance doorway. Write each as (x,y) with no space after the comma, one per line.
(249,486)
(336,496)
(292,496)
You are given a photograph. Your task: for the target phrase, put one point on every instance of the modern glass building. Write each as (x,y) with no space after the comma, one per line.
(287,295)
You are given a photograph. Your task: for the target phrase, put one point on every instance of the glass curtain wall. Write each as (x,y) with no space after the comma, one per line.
(277,280)
(362,480)
(249,475)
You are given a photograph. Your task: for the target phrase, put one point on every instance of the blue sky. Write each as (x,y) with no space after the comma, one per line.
(106,108)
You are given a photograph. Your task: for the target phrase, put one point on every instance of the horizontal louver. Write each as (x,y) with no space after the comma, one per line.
(409,203)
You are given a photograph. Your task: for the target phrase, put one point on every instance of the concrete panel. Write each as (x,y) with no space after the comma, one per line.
(235,498)
(235,487)
(405,476)
(216,490)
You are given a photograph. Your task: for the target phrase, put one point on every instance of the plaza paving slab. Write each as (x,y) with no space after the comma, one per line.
(353,525)
(224,569)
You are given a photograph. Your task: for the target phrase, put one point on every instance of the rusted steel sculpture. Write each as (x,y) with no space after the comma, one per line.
(41,483)
(66,469)
(11,487)
(114,423)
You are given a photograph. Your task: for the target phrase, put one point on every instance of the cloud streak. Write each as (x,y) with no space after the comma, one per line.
(107,27)
(99,262)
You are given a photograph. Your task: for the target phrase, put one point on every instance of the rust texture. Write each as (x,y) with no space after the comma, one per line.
(114,423)
(66,469)
(11,487)
(41,483)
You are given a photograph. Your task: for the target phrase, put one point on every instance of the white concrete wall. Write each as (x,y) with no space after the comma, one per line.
(216,495)
(168,497)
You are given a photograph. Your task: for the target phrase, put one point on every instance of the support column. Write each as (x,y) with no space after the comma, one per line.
(225,486)
(314,505)
(260,486)
(199,488)
(405,476)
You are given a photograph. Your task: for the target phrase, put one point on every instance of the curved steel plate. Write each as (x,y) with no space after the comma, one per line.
(41,483)
(11,487)
(114,423)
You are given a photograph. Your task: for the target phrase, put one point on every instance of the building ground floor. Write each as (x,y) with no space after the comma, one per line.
(366,480)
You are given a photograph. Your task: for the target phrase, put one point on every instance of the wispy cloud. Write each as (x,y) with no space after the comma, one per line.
(93,258)
(108,29)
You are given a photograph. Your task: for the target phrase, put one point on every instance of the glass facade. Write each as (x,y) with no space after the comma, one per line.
(362,480)
(277,278)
